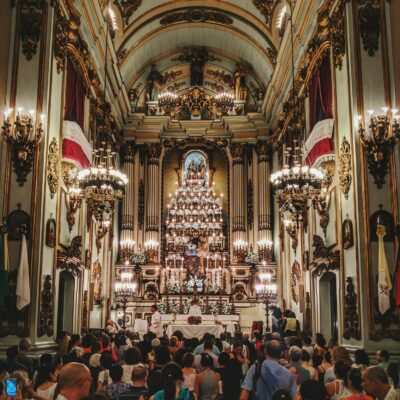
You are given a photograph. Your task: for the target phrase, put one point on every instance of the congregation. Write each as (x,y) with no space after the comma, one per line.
(119,365)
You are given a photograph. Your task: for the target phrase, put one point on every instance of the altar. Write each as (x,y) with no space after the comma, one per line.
(226,323)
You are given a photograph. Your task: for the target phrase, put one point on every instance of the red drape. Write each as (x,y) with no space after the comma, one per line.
(320,94)
(74,96)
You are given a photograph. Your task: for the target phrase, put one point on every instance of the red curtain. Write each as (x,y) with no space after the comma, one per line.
(74,96)
(320,93)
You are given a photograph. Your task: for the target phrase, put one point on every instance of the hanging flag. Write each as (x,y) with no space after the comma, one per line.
(397,270)
(384,281)
(23,291)
(4,264)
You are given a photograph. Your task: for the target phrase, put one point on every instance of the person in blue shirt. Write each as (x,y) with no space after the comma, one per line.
(272,377)
(200,348)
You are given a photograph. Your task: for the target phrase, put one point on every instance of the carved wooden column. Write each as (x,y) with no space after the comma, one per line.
(128,151)
(264,152)
(239,190)
(153,151)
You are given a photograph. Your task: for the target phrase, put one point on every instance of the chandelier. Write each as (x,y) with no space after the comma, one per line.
(224,102)
(102,184)
(167,100)
(296,183)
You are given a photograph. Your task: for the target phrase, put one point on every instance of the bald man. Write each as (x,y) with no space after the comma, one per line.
(74,382)
(376,383)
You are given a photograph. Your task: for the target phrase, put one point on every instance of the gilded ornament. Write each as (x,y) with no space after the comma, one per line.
(295,281)
(351,317)
(266,8)
(45,326)
(344,169)
(127,8)
(53,168)
(338,39)
(369,21)
(196,15)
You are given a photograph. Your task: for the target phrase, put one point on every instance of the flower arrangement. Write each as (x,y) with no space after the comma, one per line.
(139,258)
(192,282)
(252,258)
(213,288)
(173,287)
(194,320)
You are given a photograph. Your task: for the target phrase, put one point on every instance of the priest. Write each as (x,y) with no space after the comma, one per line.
(194,310)
(156,323)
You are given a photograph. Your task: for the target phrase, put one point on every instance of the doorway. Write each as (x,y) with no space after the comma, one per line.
(65,308)
(328,306)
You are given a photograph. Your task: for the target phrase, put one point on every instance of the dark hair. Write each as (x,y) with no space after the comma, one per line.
(208,344)
(3,366)
(341,370)
(305,356)
(87,340)
(307,340)
(320,340)
(223,358)
(44,373)
(116,372)
(218,344)
(237,343)
(206,360)
(327,356)
(162,354)
(170,373)
(354,376)
(132,356)
(178,334)
(105,341)
(281,394)
(222,336)
(96,347)
(257,335)
(154,306)
(385,355)
(274,349)
(12,353)
(316,360)
(361,357)
(106,359)
(173,341)
(75,338)
(120,340)
(178,356)
(188,360)
(313,390)
(46,359)
(393,372)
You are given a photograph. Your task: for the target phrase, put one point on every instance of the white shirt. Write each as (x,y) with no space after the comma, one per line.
(194,310)
(156,324)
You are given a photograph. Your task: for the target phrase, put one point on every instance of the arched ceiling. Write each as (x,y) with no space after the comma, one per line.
(233,31)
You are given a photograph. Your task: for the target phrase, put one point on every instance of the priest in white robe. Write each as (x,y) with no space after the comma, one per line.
(194,310)
(156,323)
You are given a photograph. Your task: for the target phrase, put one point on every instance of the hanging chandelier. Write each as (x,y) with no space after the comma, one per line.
(102,184)
(296,184)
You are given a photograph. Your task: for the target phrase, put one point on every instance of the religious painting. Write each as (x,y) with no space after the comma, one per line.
(347,232)
(51,233)
(382,217)
(195,167)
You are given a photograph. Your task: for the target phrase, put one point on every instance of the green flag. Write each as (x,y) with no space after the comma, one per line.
(3,264)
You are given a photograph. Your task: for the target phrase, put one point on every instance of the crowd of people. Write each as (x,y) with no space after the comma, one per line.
(118,365)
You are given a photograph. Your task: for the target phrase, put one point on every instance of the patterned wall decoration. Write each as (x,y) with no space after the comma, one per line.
(53,168)
(196,15)
(344,168)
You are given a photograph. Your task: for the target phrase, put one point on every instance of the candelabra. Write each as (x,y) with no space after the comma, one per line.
(265,249)
(23,136)
(167,100)
(151,250)
(224,102)
(383,135)
(126,249)
(74,202)
(124,291)
(266,290)
(240,250)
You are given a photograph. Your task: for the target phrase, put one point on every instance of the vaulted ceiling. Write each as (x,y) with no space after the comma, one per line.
(231,31)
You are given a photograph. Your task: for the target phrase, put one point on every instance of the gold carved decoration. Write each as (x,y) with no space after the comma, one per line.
(127,8)
(97,281)
(85,311)
(292,231)
(266,8)
(338,39)
(369,21)
(344,169)
(196,15)
(53,168)
(170,76)
(296,281)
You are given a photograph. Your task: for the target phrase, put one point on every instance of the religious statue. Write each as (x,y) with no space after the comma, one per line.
(202,251)
(196,70)
(192,245)
(154,83)
(239,78)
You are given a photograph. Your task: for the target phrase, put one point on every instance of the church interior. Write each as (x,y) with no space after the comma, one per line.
(231,157)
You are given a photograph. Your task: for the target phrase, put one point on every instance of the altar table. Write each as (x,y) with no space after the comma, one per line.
(197,331)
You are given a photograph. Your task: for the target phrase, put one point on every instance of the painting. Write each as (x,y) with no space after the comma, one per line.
(382,217)
(195,167)
(51,232)
(347,233)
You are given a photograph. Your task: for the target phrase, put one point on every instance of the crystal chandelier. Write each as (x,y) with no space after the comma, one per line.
(296,183)
(167,100)
(102,184)
(224,102)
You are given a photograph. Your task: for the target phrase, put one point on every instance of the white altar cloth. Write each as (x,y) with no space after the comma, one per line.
(197,331)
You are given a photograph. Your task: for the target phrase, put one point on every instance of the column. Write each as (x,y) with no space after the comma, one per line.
(239,190)
(264,153)
(128,151)
(153,151)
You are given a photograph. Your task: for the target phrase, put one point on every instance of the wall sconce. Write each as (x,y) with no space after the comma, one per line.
(383,135)
(265,249)
(240,250)
(127,249)
(74,202)
(151,250)
(23,136)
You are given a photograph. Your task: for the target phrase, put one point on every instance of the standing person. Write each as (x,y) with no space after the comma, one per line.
(383,359)
(24,347)
(138,389)
(104,379)
(156,324)
(73,382)
(291,326)
(354,384)
(46,381)
(338,353)
(294,357)
(162,358)
(376,383)
(272,377)
(339,387)
(172,389)
(132,356)
(208,347)
(117,387)
(207,382)
(306,363)
(189,373)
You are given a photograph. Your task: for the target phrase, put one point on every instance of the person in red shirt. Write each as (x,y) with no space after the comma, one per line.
(257,340)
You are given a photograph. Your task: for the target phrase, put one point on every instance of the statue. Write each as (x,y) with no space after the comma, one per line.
(196,70)
(239,78)
(154,83)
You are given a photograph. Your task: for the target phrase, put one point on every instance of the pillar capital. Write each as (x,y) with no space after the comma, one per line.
(153,151)
(238,151)
(264,151)
(128,151)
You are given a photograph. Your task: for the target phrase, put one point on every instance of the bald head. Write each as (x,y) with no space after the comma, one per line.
(375,382)
(376,374)
(74,379)
(274,349)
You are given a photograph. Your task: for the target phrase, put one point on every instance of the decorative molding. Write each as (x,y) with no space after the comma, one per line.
(369,21)
(264,151)
(128,151)
(307,317)
(85,311)
(46,319)
(196,15)
(101,232)
(352,327)
(296,276)
(153,151)
(31,25)
(266,8)
(292,231)
(53,168)
(127,8)
(344,168)
(238,151)
(220,76)
(324,259)
(170,76)
(69,258)
(250,210)
(338,38)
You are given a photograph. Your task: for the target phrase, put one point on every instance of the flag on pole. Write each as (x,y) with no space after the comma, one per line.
(397,270)
(23,291)
(4,264)
(384,281)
